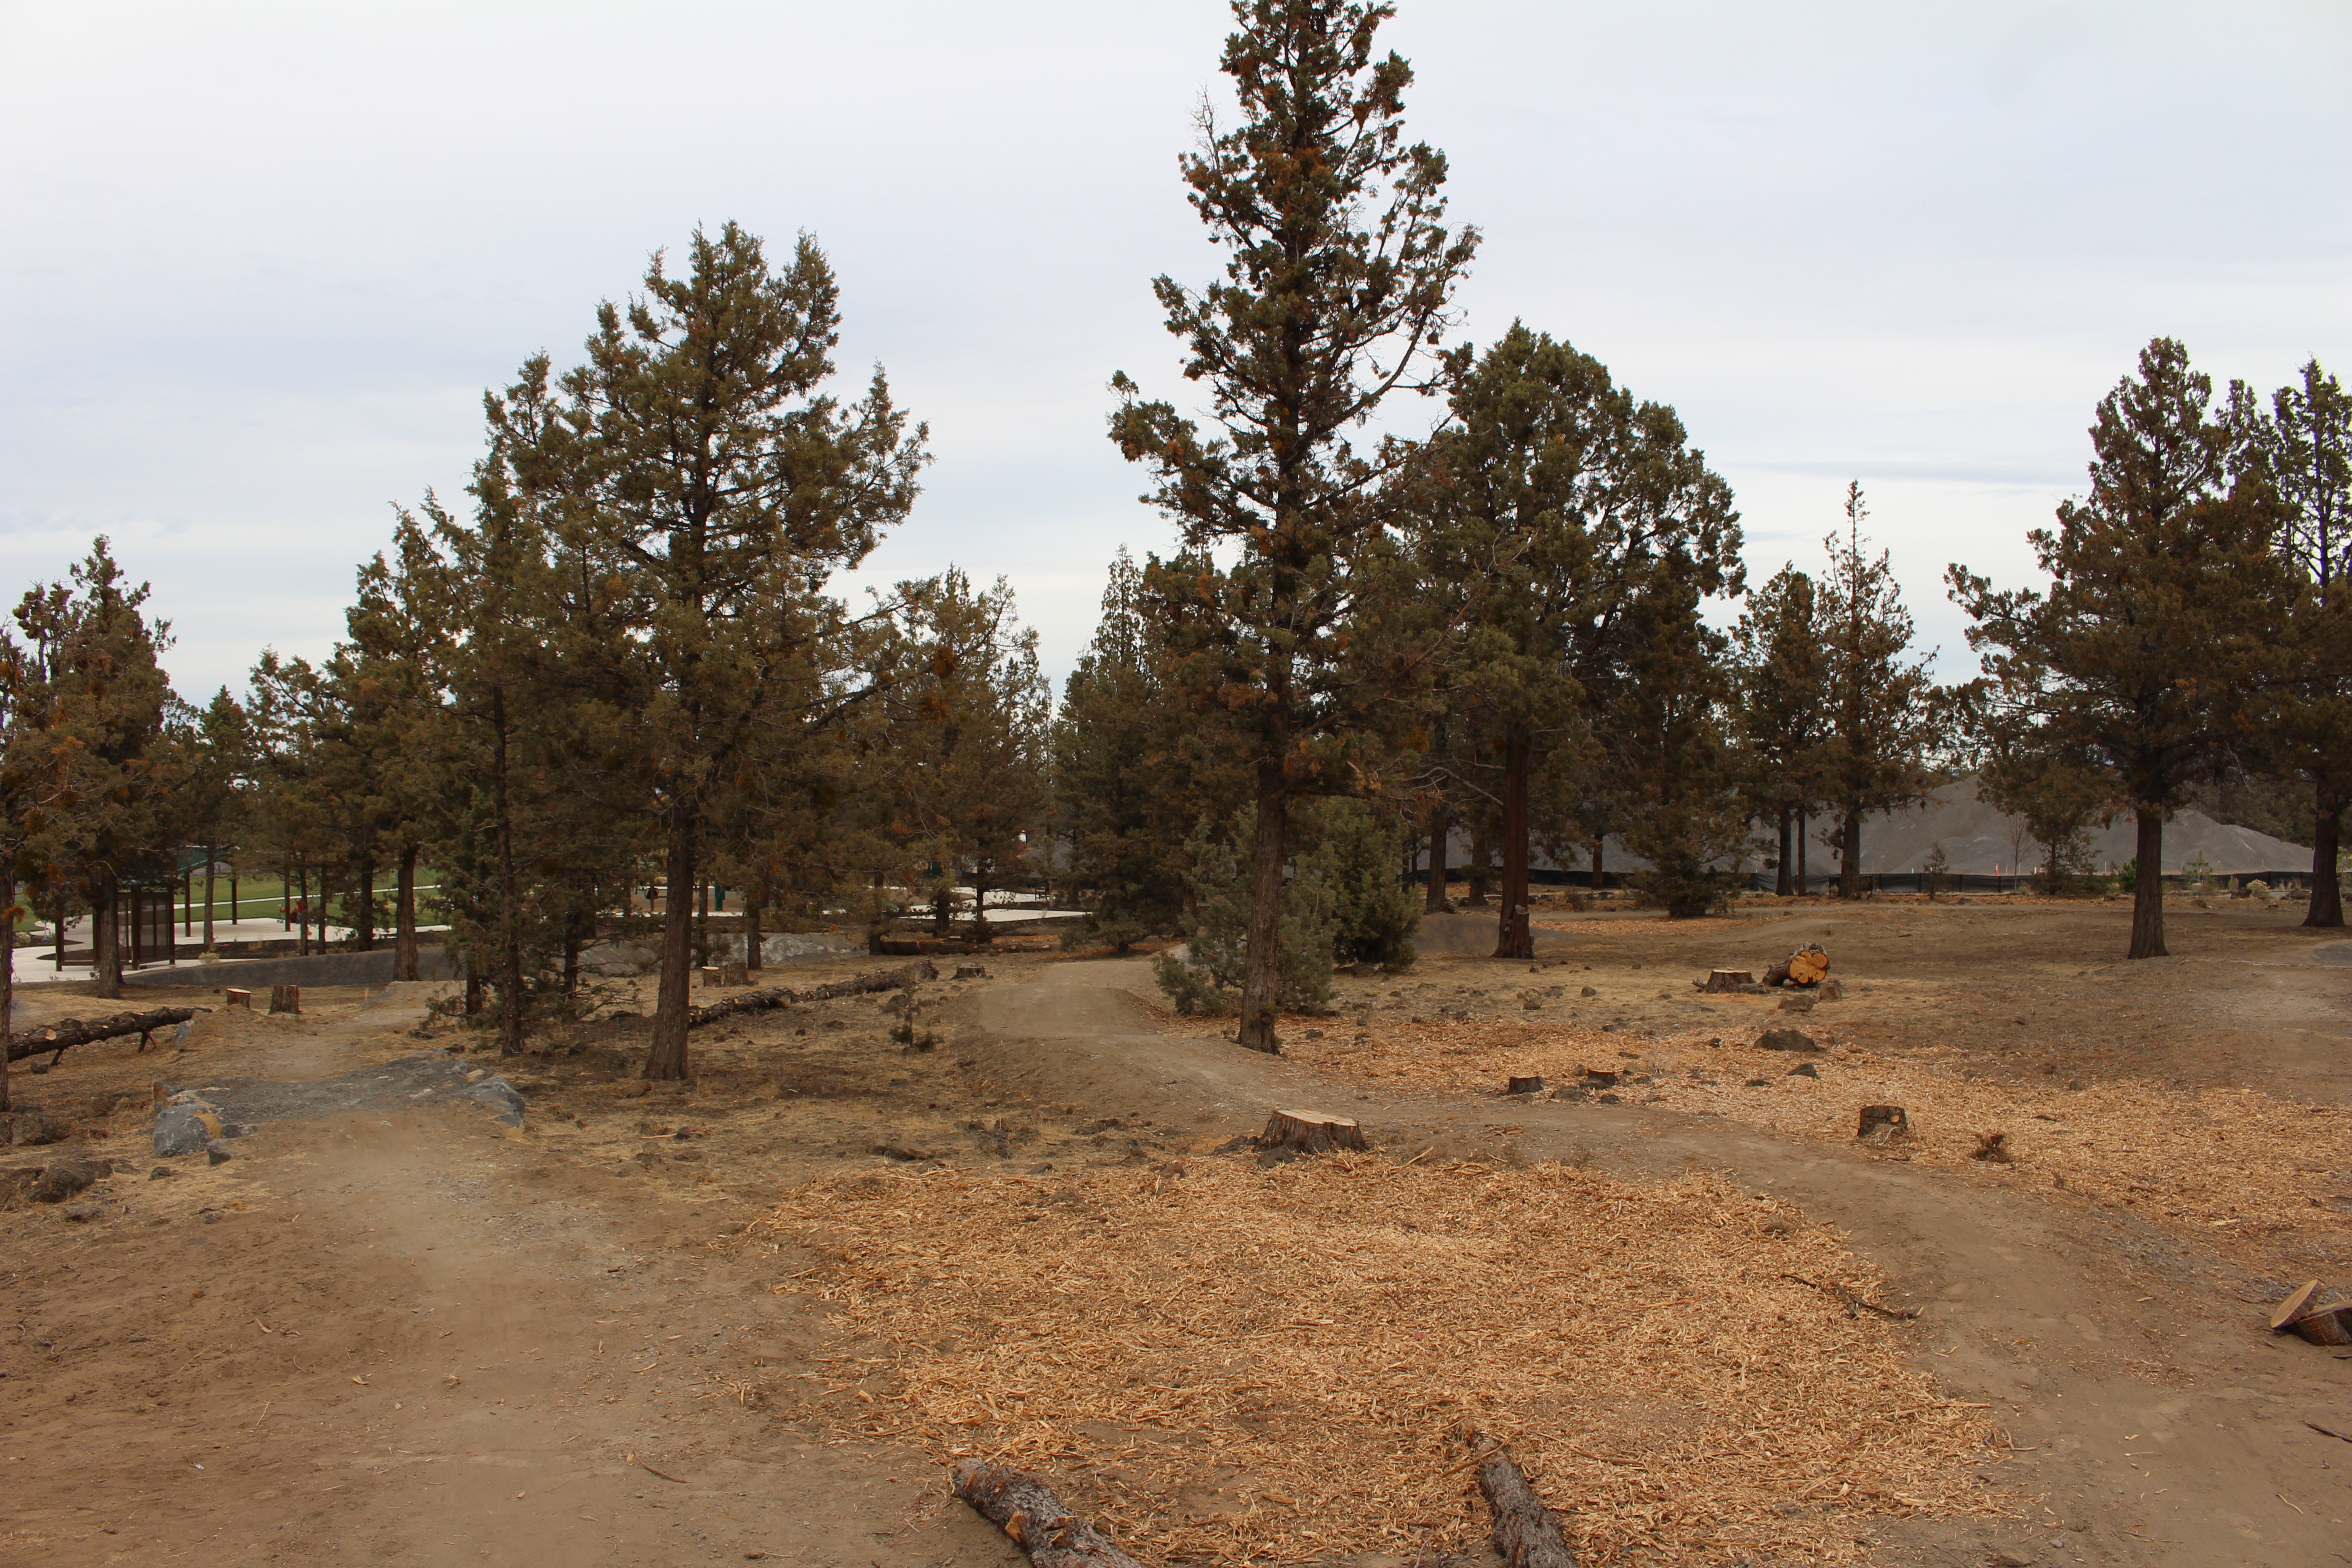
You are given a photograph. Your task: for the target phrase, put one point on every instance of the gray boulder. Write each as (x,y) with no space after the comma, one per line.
(500,1097)
(185,1129)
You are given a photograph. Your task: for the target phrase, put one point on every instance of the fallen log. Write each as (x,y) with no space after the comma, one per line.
(1310,1132)
(67,1033)
(773,996)
(1027,1510)
(1527,1534)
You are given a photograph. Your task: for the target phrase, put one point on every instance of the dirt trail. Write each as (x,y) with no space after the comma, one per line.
(414,1338)
(2122,1367)
(407,1338)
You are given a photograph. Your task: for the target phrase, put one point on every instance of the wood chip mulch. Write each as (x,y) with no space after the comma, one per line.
(1223,1363)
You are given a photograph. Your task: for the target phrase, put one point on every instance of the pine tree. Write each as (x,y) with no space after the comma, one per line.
(1126,791)
(95,652)
(1566,503)
(1777,684)
(2166,606)
(1882,715)
(2304,449)
(1338,276)
(704,489)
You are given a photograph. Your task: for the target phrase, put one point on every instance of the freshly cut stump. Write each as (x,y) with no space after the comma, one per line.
(1310,1132)
(1025,1510)
(1527,1533)
(1883,1124)
(2294,1307)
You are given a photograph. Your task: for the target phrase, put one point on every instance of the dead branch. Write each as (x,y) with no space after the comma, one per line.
(1898,1314)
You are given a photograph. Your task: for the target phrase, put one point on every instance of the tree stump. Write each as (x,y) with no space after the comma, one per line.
(1883,1124)
(1310,1132)
(235,996)
(1722,979)
(1025,1510)
(2294,1307)
(734,973)
(971,971)
(707,976)
(2330,1325)
(1527,1534)
(1526,1086)
(286,999)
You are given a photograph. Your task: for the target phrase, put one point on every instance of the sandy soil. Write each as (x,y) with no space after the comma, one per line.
(419,1338)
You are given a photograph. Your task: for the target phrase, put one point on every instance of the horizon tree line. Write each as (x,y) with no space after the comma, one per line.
(624,663)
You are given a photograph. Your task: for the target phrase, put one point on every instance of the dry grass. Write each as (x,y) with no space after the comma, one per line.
(2221,1164)
(1234,1365)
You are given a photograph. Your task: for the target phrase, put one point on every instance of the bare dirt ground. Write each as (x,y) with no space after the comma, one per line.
(750,1320)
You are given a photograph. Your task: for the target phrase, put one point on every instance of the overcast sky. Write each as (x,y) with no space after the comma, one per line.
(258,263)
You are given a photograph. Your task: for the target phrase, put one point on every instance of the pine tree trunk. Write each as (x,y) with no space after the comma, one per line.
(106,939)
(753,899)
(212,858)
(2327,889)
(405,964)
(510,889)
(1598,845)
(1784,883)
(366,927)
(2148,895)
(1480,852)
(1441,826)
(1850,855)
(7,970)
(667,1062)
(301,908)
(1262,965)
(1804,833)
(1514,938)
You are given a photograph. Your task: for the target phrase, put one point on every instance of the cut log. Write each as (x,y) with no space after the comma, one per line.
(772,996)
(1526,1086)
(2328,1325)
(1806,966)
(286,999)
(2294,1307)
(1527,1534)
(238,996)
(1883,1124)
(1721,980)
(1026,1508)
(706,975)
(67,1033)
(1310,1132)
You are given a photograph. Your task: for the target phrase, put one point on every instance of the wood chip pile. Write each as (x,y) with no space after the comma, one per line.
(2221,1162)
(1223,1363)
